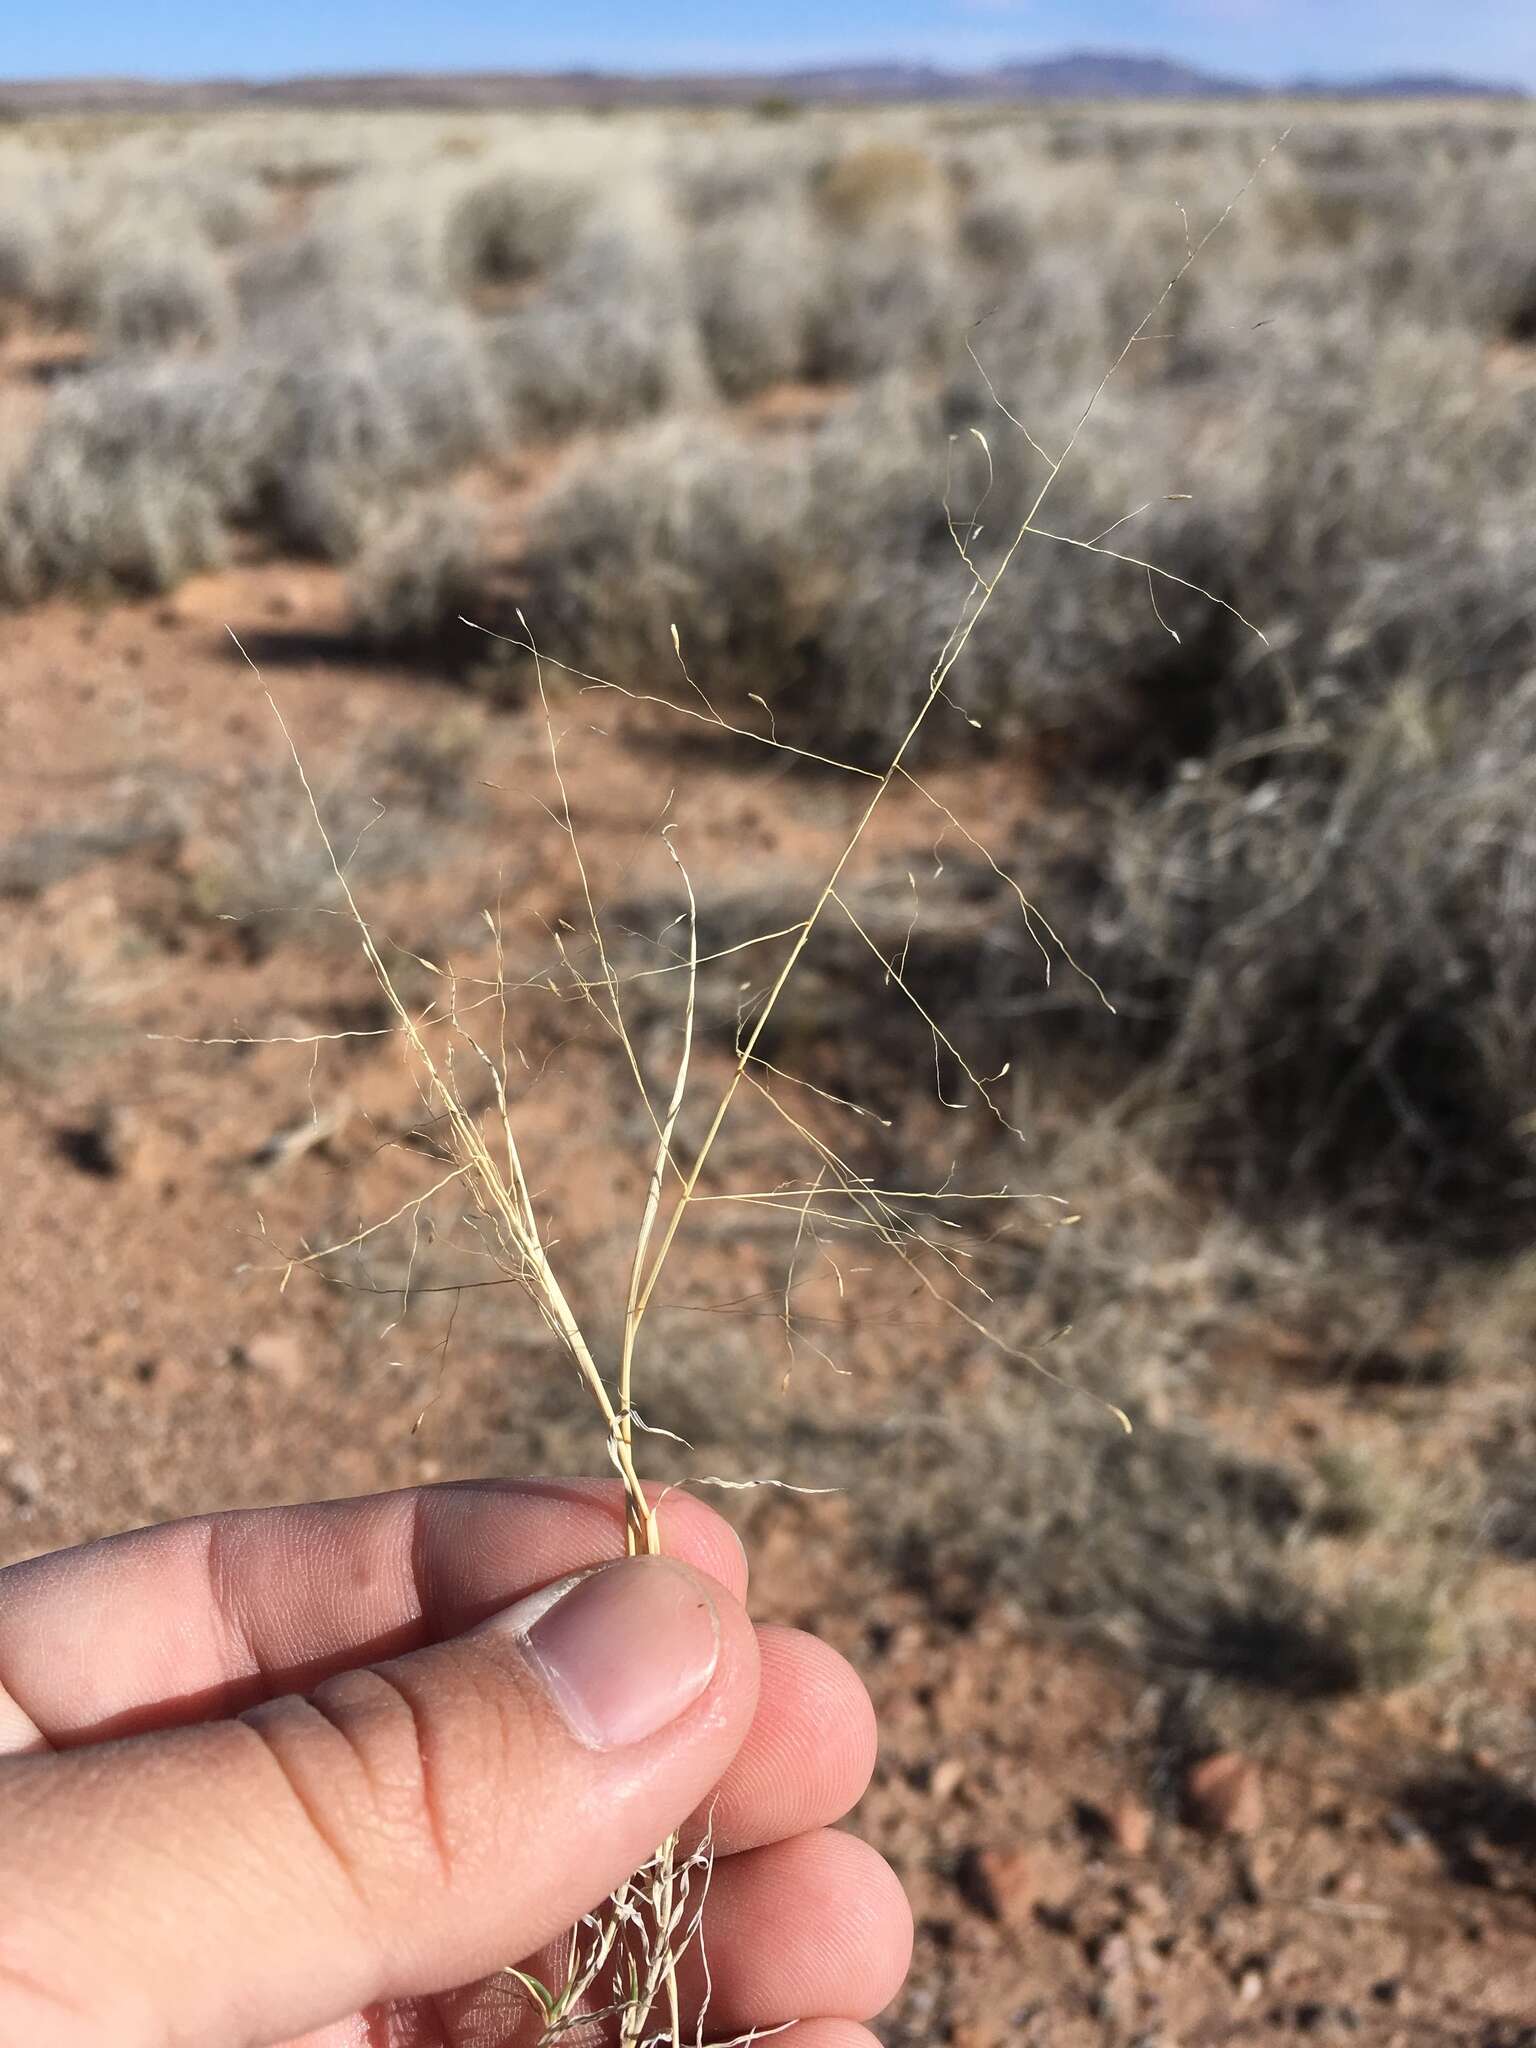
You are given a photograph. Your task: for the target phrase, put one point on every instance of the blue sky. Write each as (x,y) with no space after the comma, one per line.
(1269,39)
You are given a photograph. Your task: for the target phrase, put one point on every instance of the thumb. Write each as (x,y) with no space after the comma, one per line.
(400,1831)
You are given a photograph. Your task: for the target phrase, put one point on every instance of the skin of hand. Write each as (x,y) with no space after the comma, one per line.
(317,1774)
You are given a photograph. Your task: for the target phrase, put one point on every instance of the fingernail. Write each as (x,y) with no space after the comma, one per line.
(622,1651)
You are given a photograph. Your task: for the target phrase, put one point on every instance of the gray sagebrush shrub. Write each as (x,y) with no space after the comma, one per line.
(151,295)
(512,225)
(756,283)
(607,342)
(132,478)
(420,575)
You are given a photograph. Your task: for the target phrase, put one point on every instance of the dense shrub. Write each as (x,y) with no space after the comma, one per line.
(607,342)
(757,280)
(137,472)
(367,419)
(129,481)
(877,182)
(511,226)
(422,573)
(153,295)
(1327,949)
(22,265)
(828,587)
(887,300)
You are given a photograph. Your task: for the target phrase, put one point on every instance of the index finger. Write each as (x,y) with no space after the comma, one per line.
(206,1617)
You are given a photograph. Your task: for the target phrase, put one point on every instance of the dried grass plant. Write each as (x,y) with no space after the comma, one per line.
(623,1961)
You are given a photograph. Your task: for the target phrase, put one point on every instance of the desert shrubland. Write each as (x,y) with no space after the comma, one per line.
(607,279)
(753,414)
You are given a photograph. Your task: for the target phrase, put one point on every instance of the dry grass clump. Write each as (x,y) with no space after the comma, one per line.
(34,862)
(365,419)
(508,227)
(1393,1635)
(230,204)
(1506,1447)
(420,576)
(53,1019)
(323,278)
(1354,1494)
(1335,208)
(1446,244)
(607,342)
(711,177)
(815,588)
(888,291)
(122,243)
(22,238)
(131,520)
(1166,1547)
(135,476)
(1161,1538)
(877,182)
(756,279)
(1319,951)
(1510,1516)
(1323,945)
(140,471)
(374,234)
(667,527)
(268,875)
(431,768)
(889,301)
(22,261)
(781,293)
(999,230)
(156,295)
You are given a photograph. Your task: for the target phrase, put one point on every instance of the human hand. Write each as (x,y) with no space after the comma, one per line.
(314,1773)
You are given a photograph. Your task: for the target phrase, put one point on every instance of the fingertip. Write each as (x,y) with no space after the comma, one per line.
(811,1753)
(842,1933)
(828,2034)
(847,1891)
(833,1705)
(702,1536)
(878,1922)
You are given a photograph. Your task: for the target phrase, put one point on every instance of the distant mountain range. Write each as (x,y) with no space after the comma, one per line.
(1075,75)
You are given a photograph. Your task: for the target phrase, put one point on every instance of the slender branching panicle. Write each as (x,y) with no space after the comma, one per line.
(461,1049)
